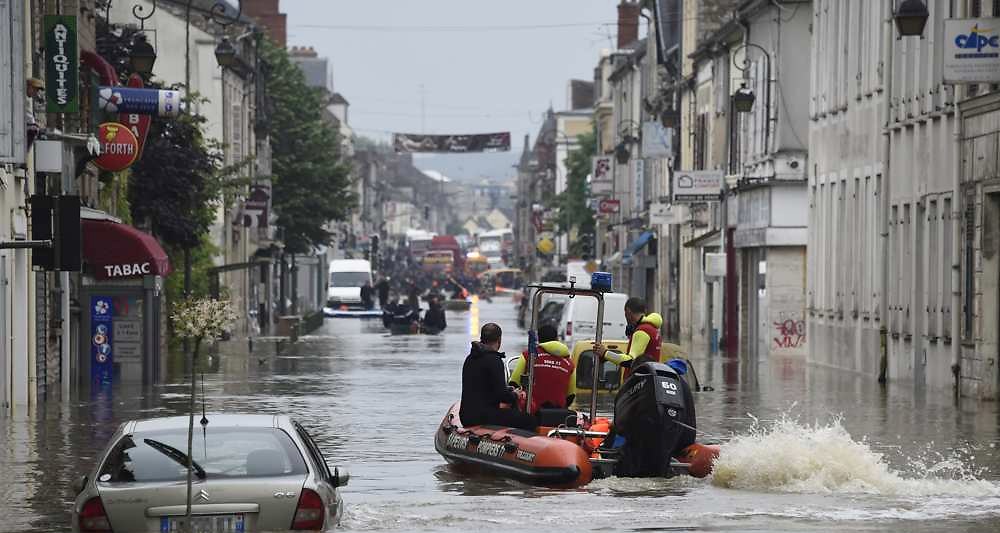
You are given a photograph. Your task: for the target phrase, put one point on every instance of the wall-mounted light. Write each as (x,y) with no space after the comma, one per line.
(143,56)
(911,17)
(743,99)
(622,153)
(225,53)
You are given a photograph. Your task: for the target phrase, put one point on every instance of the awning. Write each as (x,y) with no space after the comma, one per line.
(118,251)
(637,245)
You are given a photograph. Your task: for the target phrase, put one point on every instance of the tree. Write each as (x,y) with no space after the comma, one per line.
(311,182)
(574,212)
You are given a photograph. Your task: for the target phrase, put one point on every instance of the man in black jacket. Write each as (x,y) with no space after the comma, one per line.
(484,386)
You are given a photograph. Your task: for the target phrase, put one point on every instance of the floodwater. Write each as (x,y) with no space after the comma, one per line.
(804,448)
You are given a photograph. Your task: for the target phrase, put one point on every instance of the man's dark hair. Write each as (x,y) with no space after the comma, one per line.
(636,305)
(490,333)
(547,333)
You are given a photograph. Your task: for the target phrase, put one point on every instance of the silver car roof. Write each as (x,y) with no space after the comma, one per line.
(214,419)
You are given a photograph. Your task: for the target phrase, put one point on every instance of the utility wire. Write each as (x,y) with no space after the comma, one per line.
(347,27)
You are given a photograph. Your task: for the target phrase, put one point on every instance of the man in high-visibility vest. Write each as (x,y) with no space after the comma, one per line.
(555,374)
(644,344)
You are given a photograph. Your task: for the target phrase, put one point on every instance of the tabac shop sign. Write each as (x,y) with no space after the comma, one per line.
(971,50)
(61,65)
(119,147)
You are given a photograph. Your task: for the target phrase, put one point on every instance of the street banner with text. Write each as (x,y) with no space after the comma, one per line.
(411,143)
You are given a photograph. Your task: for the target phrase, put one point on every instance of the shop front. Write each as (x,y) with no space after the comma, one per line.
(120,302)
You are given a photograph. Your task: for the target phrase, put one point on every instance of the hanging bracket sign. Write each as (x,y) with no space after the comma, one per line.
(62,65)
(119,147)
(697,186)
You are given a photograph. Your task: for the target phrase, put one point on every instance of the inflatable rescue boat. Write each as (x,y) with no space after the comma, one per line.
(652,433)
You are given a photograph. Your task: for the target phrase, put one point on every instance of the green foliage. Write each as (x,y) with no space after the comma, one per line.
(572,204)
(176,185)
(201,265)
(311,182)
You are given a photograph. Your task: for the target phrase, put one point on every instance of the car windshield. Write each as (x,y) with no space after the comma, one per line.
(221,452)
(348,279)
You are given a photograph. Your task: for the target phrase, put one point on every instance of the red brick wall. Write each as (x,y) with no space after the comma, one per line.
(274,22)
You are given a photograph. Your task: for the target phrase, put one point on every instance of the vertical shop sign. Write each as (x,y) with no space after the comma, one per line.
(62,70)
(101,331)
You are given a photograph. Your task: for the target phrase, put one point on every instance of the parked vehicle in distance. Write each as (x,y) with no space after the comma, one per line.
(438,261)
(448,243)
(419,242)
(494,244)
(579,318)
(252,473)
(347,276)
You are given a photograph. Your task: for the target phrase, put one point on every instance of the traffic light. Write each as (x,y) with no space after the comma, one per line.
(375,257)
(56,219)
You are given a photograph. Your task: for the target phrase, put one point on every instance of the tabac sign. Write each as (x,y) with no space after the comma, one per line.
(971,50)
(62,65)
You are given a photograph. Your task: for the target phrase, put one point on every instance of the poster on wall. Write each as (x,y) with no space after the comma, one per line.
(101,336)
(971,50)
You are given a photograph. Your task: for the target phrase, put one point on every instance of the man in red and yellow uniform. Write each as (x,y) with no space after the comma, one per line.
(644,344)
(554,383)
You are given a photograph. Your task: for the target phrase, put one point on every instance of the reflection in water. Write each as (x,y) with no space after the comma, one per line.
(373,402)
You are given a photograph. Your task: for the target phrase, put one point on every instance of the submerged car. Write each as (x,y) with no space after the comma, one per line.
(251,473)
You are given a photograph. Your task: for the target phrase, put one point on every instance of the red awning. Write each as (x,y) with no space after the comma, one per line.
(116,251)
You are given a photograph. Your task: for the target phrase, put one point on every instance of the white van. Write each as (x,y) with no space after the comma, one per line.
(347,276)
(579,318)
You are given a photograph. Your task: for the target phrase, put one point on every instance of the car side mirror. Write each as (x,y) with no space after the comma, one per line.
(81,484)
(340,477)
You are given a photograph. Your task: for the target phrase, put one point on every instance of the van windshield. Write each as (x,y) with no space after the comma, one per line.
(348,279)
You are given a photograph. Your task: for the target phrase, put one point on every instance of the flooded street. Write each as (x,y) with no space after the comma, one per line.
(814,449)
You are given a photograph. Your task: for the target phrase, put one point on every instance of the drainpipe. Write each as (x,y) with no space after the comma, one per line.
(956,246)
(887,58)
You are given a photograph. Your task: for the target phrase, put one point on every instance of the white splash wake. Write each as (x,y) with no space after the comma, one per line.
(787,456)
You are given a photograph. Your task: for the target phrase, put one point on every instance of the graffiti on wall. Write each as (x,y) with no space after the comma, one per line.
(790,333)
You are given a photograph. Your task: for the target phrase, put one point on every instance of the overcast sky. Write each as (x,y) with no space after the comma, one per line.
(477,72)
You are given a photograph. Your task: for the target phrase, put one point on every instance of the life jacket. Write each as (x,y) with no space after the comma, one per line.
(552,372)
(650,325)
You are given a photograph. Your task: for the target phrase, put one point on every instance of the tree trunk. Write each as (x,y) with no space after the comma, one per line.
(190,446)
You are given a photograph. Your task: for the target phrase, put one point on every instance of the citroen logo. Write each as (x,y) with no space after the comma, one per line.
(202,496)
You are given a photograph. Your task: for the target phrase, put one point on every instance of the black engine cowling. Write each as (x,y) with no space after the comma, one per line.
(654,411)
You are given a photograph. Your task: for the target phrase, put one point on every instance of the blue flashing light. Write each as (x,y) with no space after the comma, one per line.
(601,281)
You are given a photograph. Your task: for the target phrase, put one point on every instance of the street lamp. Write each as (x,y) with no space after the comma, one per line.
(743,99)
(225,53)
(911,17)
(143,56)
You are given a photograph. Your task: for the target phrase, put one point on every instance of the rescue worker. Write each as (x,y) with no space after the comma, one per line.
(554,383)
(484,387)
(643,343)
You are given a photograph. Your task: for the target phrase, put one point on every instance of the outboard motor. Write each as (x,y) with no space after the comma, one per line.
(654,411)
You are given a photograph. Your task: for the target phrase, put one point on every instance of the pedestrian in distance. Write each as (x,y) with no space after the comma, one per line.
(486,398)
(382,287)
(367,299)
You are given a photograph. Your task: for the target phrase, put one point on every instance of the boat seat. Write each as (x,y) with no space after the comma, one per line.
(554,416)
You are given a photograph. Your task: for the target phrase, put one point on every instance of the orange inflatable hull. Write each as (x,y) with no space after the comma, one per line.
(523,455)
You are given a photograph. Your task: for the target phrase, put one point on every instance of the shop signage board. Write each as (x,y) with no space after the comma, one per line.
(971,50)
(409,143)
(697,186)
(665,214)
(639,185)
(102,314)
(608,206)
(600,175)
(62,64)
(140,101)
(657,140)
(119,147)
(137,122)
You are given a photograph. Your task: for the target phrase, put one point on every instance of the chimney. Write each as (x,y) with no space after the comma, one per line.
(268,15)
(628,22)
